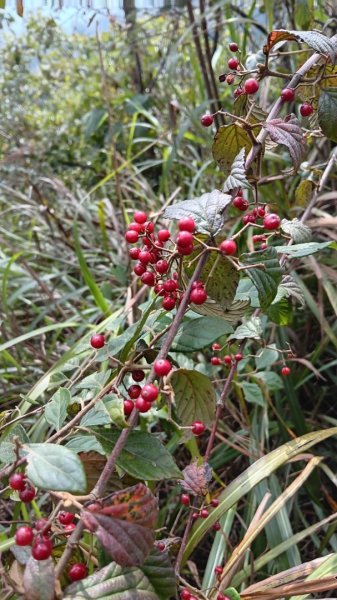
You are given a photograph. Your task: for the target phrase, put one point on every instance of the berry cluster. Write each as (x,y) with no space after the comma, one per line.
(19,482)
(217,360)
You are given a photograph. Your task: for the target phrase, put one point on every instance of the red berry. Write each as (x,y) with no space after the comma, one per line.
(77,571)
(204,513)
(222,597)
(65,517)
(271,221)
(149,227)
(228,247)
(134,253)
(128,406)
(216,346)
(233,47)
(248,218)
(149,392)
(162,266)
(170,285)
(138,375)
(195,516)
(162,367)
(97,340)
(144,257)
(264,246)
(238,92)
(306,109)
(216,526)
(185,499)
(163,235)
(17,481)
(233,63)
(218,570)
(28,493)
(24,536)
(238,357)
(184,238)
(131,236)
(288,94)
(198,427)
(230,78)
(240,203)
(140,217)
(198,296)
(159,289)
(257,238)
(206,120)
(215,360)
(136,227)
(186,224)
(286,371)
(148,278)
(251,86)
(185,595)
(42,524)
(161,546)
(261,211)
(139,269)
(227,359)
(42,549)
(168,303)
(185,250)
(143,405)
(214,502)
(134,391)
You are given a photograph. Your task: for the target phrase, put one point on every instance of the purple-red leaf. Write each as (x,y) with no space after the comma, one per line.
(288,133)
(315,40)
(196,479)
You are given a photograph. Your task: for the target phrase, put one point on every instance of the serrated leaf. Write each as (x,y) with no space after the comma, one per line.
(246,290)
(228,142)
(237,177)
(143,455)
(39,579)
(298,231)
(314,39)
(213,309)
(200,333)
(194,397)
(196,478)
(265,278)
(280,312)
(289,287)
(251,329)
(220,278)
(288,132)
(55,411)
(124,524)
(206,210)
(160,573)
(327,113)
(54,467)
(97,415)
(301,250)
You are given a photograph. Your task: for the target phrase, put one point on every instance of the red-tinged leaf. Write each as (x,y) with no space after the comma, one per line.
(314,39)
(196,478)
(288,133)
(39,579)
(124,524)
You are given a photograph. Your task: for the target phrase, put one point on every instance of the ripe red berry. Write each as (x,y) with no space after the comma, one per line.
(185,594)
(228,247)
(138,375)
(159,289)
(206,120)
(148,278)
(288,94)
(160,546)
(168,303)
(139,269)
(186,224)
(131,236)
(163,235)
(216,526)
(195,516)
(136,227)
(68,529)
(216,346)
(24,536)
(198,427)
(149,392)
(17,481)
(218,570)
(204,513)
(198,296)
(184,238)
(271,221)
(42,524)
(257,238)
(306,109)
(233,47)
(264,246)
(286,371)
(251,86)
(134,391)
(97,340)
(170,285)
(215,360)
(238,356)
(185,499)
(162,367)
(233,63)
(238,92)
(128,406)
(143,405)
(77,572)
(149,227)
(42,549)
(144,257)
(65,517)
(134,253)
(162,266)
(185,250)
(214,502)
(240,203)
(140,217)
(248,218)
(222,597)
(227,359)
(230,78)
(27,494)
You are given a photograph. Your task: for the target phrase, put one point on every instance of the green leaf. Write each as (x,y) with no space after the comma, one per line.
(246,290)
(237,178)
(39,579)
(114,406)
(267,357)
(55,411)
(300,250)
(299,232)
(8,447)
(97,415)
(327,113)
(266,278)
(95,381)
(143,455)
(84,443)
(159,571)
(272,380)
(220,278)
(206,210)
(251,329)
(232,593)
(194,397)
(304,13)
(281,312)
(288,132)
(253,393)
(228,142)
(200,333)
(289,288)
(54,467)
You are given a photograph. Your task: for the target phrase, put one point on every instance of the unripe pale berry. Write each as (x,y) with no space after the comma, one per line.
(271,221)
(162,367)
(206,120)
(251,86)
(97,340)
(228,247)
(149,392)
(288,94)
(198,427)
